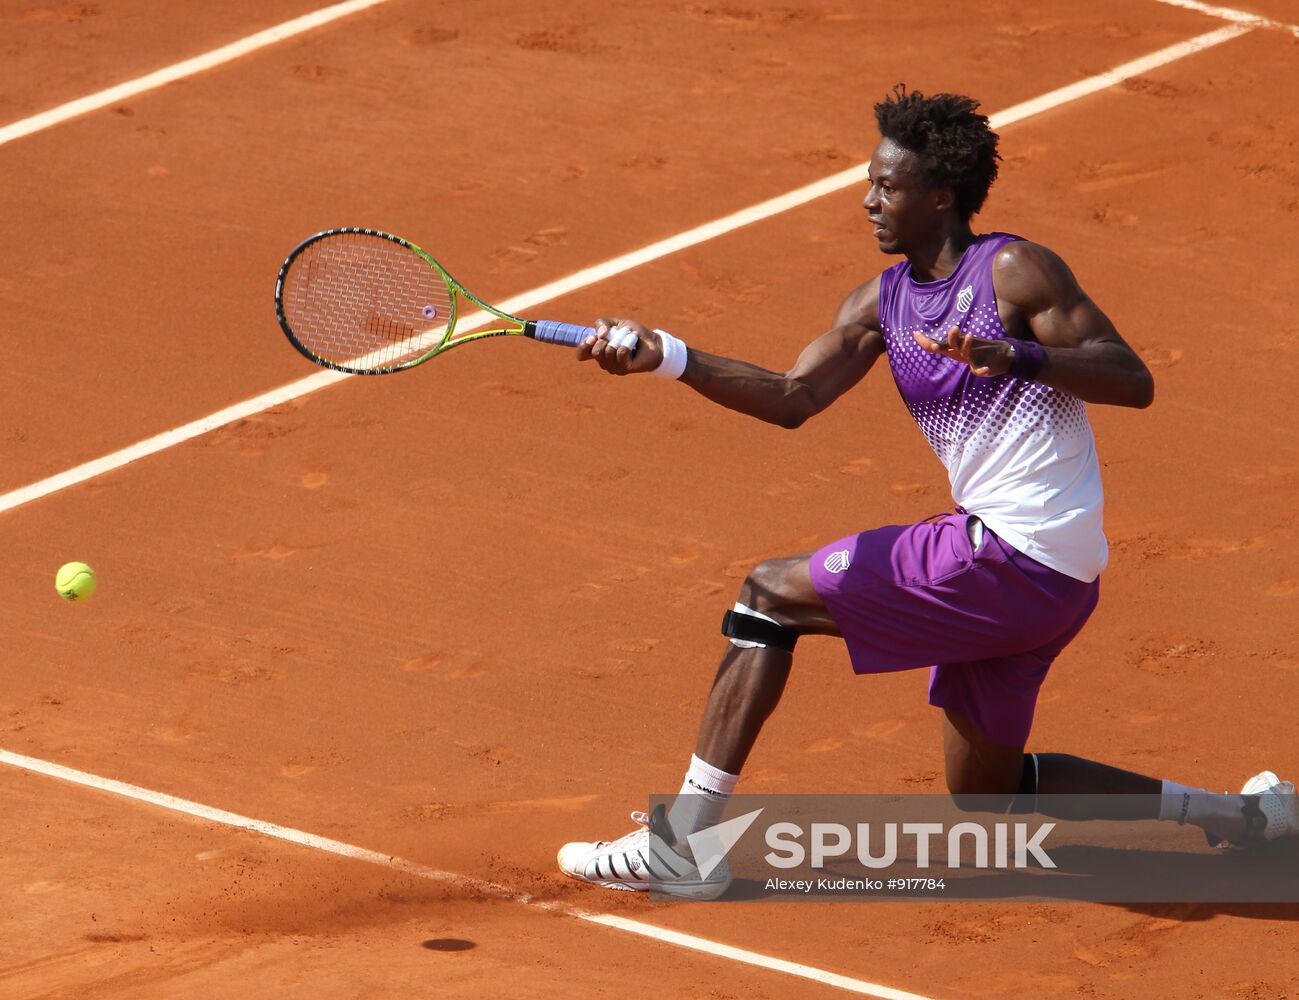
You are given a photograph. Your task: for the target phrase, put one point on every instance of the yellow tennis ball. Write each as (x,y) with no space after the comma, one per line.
(75,581)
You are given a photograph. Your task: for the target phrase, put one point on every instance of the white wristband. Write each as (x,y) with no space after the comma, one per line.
(674,356)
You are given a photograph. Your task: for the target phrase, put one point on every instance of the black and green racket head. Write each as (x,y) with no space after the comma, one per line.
(364,301)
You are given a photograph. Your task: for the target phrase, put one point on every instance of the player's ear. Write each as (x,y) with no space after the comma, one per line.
(944,198)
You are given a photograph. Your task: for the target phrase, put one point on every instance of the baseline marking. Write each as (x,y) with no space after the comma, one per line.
(180,70)
(1231,14)
(311,840)
(520,304)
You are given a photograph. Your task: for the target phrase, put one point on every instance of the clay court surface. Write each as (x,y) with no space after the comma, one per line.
(461,615)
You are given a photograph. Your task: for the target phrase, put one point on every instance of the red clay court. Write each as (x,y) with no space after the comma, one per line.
(450,619)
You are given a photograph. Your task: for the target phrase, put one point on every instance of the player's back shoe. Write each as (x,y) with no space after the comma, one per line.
(1271,810)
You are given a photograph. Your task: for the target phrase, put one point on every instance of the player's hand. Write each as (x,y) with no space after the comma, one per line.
(986,358)
(622,347)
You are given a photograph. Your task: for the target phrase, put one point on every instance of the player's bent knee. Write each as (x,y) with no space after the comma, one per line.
(769,586)
(969,795)
(766,587)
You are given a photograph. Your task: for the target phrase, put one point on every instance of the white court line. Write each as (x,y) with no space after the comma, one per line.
(1102,81)
(180,70)
(1231,14)
(524,302)
(311,840)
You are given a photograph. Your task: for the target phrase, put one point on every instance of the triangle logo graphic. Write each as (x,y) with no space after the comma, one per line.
(711,845)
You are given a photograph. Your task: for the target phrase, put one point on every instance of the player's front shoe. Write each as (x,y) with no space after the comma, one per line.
(641,861)
(1271,810)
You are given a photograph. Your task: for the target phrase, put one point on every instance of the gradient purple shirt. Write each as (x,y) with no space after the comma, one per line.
(1019,454)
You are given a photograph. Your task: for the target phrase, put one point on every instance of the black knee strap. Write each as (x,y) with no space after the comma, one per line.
(750,628)
(1025,800)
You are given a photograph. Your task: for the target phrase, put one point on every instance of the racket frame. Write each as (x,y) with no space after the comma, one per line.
(517,327)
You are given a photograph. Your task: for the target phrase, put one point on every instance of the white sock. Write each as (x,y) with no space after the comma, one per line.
(702,798)
(1219,814)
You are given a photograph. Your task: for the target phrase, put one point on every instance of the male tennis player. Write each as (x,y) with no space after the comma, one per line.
(995,348)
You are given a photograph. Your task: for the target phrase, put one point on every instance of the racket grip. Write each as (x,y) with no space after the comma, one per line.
(564,334)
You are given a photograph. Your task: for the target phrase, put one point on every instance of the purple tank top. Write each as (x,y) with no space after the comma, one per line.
(965,298)
(1019,454)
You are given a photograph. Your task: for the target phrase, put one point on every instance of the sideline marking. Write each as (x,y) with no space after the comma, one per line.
(1102,81)
(599,272)
(180,70)
(311,840)
(1231,14)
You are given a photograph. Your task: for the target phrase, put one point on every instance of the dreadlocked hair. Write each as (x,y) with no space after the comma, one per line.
(953,143)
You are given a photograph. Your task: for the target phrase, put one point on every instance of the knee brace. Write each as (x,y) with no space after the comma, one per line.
(1025,800)
(748,629)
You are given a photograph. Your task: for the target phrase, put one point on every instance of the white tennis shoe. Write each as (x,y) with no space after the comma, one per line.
(642,861)
(1271,810)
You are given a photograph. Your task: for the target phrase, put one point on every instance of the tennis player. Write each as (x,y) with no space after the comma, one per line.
(995,349)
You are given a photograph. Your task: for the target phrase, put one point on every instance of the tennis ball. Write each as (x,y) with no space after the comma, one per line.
(75,581)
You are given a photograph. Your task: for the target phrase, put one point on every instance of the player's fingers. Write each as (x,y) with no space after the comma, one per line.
(927,342)
(625,350)
(590,347)
(606,355)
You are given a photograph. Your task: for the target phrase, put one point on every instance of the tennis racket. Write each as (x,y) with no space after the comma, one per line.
(369,303)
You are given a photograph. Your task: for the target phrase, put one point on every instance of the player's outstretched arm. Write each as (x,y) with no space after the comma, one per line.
(1082,352)
(826,369)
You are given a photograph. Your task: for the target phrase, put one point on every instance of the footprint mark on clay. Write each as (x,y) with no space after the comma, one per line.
(429,36)
(172,733)
(513,255)
(177,605)
(857,467)
(274,551)
(696,593)
(314,72)
(1200,548)
(553,236)
(638,645)
(419,664)
(1175,656)
(503,389)
(626,574)
(456,666)
(314,480)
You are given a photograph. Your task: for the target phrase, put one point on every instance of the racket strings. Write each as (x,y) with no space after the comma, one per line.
(365,302)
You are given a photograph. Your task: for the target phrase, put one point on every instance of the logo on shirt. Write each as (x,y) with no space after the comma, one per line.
(837,562)
(964,298)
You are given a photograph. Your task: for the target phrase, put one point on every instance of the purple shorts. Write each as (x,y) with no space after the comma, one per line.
(989,622)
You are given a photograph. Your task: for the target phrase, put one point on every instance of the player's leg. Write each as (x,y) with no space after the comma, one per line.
(978,766)
(1079,789)
(989,705)
(777,604)
(752,675)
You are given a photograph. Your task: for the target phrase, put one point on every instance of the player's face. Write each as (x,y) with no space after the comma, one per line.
(903,211)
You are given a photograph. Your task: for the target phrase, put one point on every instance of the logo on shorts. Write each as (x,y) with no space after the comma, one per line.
(964,298)
(837,562)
